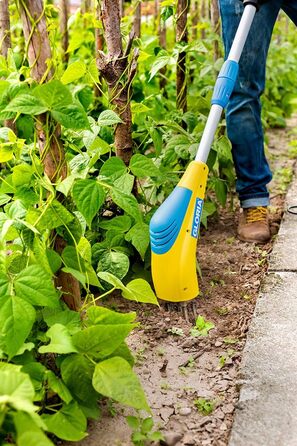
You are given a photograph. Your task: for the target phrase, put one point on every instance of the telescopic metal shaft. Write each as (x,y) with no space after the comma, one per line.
(216,109)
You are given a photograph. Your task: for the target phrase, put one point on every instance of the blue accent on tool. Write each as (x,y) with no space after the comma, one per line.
(225,83)
(167,221)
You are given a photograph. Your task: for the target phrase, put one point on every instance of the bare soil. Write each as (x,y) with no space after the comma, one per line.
(177,369)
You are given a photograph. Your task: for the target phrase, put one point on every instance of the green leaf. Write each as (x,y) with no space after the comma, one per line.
(35,286)
(57,385)
(147,425)
(156,136)
(35,370)
(4,284)
(101,340)
(22,174)
(28,433)
(53,94)
(123,351)
(72,259)
(77,372)
(114,378)
(99,147)
(114,262)
(71,116)
(54,260)
(6,153)
(101,316)
(69,423)
(4,85)
(140,291)
(221,191)
(111,279)
(121,223)
(159,63)
(16,389)
(16,320)
(133,422)
(52,217)
(78,275)
(127,202)
(209,208)
(65,185)
(93,71)
(166,12)
(202,327)
(27,346)
(70,319)
(142,167)
(109,117)
(224,148)
(27,104)
(7,135)
(4,198)
(61,341)
(73,72)
(85,249)
(138,107)
(89,196)
(125,183)
(114,167)
(181,145)
(139,237)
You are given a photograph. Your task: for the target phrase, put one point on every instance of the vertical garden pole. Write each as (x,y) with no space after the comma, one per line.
(182,38)
(215,22)
(50,145)
(64,14)
(5,42)
(137,20)
(118,73)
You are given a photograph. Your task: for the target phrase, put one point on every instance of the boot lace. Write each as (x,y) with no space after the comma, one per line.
(256,214)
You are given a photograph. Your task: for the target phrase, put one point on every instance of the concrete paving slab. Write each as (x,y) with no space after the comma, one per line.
(284,255)
(267,408)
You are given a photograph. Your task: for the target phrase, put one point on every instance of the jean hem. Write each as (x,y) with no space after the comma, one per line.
(254,202)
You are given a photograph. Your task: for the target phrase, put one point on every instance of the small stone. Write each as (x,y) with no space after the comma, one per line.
(229,408)
(185,411)
(218,344)
(167,319)
(209,428)
(165,413)
(204,421)
(171,439)
(189,440)
(224,384)
(223,427)
(219,414)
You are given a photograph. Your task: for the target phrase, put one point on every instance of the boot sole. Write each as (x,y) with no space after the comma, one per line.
(259,242)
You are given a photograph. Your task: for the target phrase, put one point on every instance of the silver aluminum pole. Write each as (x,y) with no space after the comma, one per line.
(216,110)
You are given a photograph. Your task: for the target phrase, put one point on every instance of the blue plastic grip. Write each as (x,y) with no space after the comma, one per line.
(225,83)
(167,221)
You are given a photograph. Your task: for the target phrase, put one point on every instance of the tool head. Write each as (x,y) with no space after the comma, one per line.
(174,229)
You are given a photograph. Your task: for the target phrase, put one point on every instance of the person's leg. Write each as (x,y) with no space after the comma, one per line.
(244,109)
(243,116)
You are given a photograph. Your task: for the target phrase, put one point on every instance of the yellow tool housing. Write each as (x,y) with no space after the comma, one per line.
(174,230)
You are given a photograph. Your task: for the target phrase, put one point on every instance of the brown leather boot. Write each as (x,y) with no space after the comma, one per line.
(254,225)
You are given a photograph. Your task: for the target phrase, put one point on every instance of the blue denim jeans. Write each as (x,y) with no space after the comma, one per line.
(244,109)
